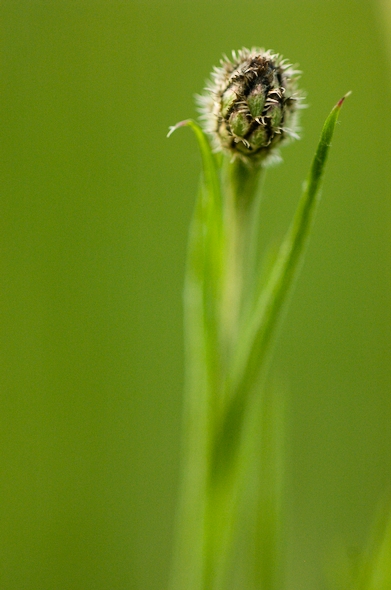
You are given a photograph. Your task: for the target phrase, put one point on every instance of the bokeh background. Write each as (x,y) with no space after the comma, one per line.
(95,206)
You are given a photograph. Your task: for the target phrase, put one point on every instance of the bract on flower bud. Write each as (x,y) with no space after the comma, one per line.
(250,105)
(275,113)
(227,101)
(256,100)
(258,138)
(239,123)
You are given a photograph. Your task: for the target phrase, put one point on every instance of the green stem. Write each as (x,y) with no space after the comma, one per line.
(241,214)
(240,206)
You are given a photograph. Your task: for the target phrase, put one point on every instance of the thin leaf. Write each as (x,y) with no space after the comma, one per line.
(205,255)
(201,333)
(254,344)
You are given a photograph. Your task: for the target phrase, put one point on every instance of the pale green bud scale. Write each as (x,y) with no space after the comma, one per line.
(239,123)
(256,101)
(258,138)
(275,114)
(228,99)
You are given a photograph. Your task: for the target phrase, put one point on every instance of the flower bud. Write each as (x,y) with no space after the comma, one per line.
(250,105)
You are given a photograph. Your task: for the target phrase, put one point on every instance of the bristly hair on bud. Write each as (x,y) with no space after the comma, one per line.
(250,105)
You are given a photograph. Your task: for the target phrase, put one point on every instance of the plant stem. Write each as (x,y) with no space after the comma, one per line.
(241,218)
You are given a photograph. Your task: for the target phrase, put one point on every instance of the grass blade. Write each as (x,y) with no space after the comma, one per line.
(201,295)
(258,334)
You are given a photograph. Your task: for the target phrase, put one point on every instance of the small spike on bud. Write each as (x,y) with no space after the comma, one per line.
(251,105)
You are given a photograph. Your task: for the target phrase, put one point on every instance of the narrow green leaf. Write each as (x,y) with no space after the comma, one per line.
(288,262)
(203,272)
(205,256)
(254,343)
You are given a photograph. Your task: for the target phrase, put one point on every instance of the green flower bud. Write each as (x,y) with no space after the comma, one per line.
(250,106)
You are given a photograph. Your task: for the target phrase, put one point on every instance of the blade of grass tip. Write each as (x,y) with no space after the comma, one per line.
(258,334)
(209,168)
(200,362)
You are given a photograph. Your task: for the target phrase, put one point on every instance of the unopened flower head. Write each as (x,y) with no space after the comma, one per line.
(250,105)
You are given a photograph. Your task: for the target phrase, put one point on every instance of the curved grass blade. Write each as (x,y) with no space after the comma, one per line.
(201,296)
(209,168)
(205,255)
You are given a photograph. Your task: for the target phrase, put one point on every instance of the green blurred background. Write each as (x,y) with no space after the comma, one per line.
(95,206)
